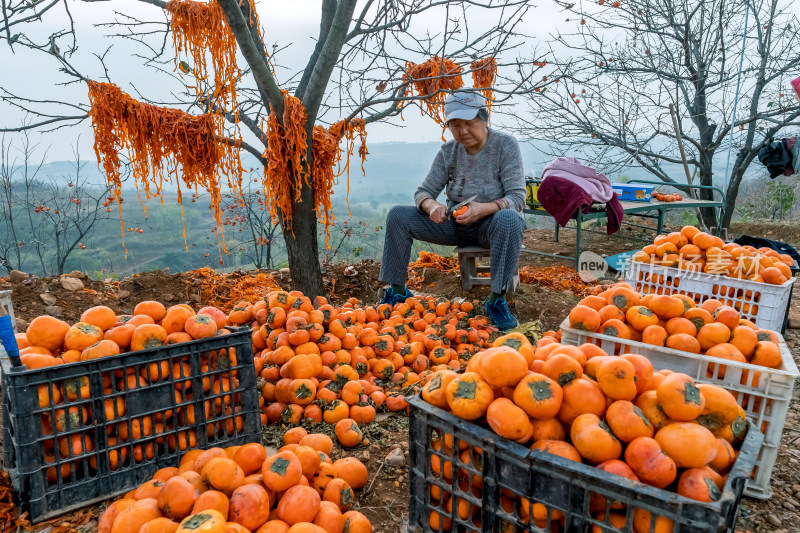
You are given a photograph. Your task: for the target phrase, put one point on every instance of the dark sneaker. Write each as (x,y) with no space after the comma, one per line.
(500,315)
(389,297)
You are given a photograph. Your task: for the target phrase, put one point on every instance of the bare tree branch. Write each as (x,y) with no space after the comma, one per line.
(158,3)
(23,7)
(628,64)
(328,56)
(328,12)
(37,125)
(243,145)
(240,27)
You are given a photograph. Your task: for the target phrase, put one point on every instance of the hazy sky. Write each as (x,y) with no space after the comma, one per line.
(293,23)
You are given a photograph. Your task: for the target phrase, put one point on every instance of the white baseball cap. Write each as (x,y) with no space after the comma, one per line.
(463,105)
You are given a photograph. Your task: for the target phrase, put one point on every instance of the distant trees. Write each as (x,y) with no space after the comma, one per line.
(12,209)
(623,64)
(353,239)
(771,199)
(44,218)
(256,235)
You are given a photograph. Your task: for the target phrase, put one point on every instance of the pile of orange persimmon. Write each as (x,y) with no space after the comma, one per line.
(695,250)
(101,332)
(67,404)
(613,412)
(676,322)
(241,490)
(661,197)
(326,364)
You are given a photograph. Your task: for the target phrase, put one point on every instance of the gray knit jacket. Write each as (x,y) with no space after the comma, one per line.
(493,173)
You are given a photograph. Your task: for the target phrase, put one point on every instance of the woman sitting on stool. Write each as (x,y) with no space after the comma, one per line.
(479,162)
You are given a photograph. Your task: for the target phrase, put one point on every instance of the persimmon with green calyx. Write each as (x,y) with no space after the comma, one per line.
(281,471)
(720,408)
(698,484)
(208,521)
(469,396)
(680,398)
(539,396)
(433,391)
(200,326)
(627,421)
(82,335)
(584,318)
(594,440)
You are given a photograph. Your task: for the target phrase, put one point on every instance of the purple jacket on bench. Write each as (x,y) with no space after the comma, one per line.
(562,196)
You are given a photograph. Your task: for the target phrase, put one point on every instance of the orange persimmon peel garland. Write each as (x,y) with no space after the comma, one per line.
(226,290)
(287,154)
(287,145)
(433,77)
(200,28)
(556,278)
(483,76)
(325,144)
(159,140)
(435,261)
(327,154)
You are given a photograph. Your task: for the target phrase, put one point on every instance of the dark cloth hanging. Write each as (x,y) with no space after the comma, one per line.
(780,157)
(793,146)
(561,198)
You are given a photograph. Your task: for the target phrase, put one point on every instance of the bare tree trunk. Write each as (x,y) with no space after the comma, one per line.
(707,215)
(301,239)
(301,245)
(730,197)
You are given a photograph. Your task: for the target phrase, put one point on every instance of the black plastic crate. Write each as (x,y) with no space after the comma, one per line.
(561,490)
(121,418)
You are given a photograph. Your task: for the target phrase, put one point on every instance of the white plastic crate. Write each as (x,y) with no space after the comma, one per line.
(5,299)
(762,303)
(764,393)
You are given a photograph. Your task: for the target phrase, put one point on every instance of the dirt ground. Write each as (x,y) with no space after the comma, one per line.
(385,500)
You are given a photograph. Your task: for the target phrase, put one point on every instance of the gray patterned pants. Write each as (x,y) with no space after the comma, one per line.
(501,233)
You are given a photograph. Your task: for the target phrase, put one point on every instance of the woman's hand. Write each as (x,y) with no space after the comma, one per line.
(477,211)
(437,212)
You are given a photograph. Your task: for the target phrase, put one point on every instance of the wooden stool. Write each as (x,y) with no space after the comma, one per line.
(468,264)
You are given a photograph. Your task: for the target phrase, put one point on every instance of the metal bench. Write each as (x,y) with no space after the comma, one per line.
(468,265)
(632,209)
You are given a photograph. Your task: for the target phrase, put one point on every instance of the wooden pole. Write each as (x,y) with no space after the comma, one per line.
(680,145)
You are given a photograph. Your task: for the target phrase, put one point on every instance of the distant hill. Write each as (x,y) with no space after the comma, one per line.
(392,171)
(391,174)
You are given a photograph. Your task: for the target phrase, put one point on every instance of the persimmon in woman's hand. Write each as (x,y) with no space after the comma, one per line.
(475,211)
(460,211)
